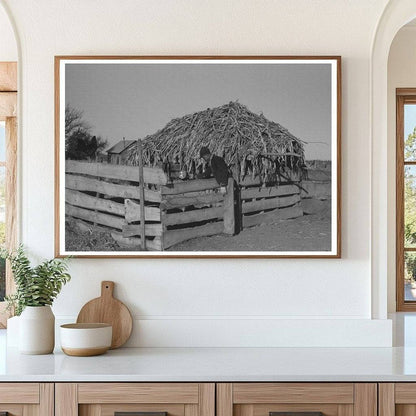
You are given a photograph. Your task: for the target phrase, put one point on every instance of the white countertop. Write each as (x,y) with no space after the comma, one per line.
(213,364)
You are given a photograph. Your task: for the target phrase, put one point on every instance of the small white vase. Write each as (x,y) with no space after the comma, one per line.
(37,330)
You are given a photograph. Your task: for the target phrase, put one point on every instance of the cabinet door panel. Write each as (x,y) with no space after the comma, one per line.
(27,399)
(397,399)
(330,399)
(105,399)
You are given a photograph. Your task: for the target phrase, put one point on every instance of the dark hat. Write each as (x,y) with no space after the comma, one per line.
(204,151)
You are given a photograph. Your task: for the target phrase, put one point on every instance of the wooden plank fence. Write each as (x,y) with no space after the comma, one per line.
(196,208)
(107,197)
(83,183)
(121,172)
(269,204)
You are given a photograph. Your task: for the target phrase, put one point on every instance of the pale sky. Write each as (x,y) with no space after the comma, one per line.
(2,141)
(134,100)
(409,119)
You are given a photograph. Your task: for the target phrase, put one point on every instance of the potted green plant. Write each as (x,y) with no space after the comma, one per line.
(36,289)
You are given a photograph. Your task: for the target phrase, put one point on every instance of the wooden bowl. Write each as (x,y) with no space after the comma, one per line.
(85,340)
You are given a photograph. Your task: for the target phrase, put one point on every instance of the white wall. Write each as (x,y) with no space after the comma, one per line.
(179,302)
(401,74)
(8,47)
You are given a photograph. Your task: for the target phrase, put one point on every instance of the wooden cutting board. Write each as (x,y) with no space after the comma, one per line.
(107,309)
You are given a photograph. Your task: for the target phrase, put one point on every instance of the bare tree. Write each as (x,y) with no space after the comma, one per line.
(80,144)
(74,121)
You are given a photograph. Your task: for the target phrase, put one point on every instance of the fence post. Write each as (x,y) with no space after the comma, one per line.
(141,189)
(229,214)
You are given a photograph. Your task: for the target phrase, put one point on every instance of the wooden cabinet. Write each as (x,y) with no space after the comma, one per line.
(208,399)
(27,399)
(106,399)
(397,399)
(297,399)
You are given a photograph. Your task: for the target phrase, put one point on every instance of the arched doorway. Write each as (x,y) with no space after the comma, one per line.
(396,14)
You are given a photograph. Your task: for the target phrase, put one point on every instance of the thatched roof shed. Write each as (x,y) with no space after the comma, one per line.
(249,142)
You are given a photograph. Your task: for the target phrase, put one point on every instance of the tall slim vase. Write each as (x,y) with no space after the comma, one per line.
(37,330)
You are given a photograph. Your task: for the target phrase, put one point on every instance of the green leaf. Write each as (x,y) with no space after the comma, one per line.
(35,286)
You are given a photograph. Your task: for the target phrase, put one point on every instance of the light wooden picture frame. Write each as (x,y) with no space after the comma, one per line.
(198,156)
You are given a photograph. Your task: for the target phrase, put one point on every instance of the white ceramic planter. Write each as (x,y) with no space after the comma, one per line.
(13,331)
(37,330)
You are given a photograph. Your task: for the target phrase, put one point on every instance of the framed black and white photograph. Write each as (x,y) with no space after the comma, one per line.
(198,156)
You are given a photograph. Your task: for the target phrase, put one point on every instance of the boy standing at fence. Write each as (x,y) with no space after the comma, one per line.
(216,167)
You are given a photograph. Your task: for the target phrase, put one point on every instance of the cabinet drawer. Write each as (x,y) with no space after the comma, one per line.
(153,399)
(297,399)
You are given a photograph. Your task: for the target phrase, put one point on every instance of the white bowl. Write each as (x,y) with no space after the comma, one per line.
(83,340)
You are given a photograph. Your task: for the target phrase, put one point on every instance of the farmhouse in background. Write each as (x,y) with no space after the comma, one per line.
(119,152)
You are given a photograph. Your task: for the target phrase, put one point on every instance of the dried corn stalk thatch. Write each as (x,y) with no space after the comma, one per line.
(249,143)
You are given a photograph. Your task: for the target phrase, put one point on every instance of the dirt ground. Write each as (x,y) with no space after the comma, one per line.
(311,232)
(81,240)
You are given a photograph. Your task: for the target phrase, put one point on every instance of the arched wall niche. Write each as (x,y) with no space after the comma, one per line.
(396,14)
(400,74)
